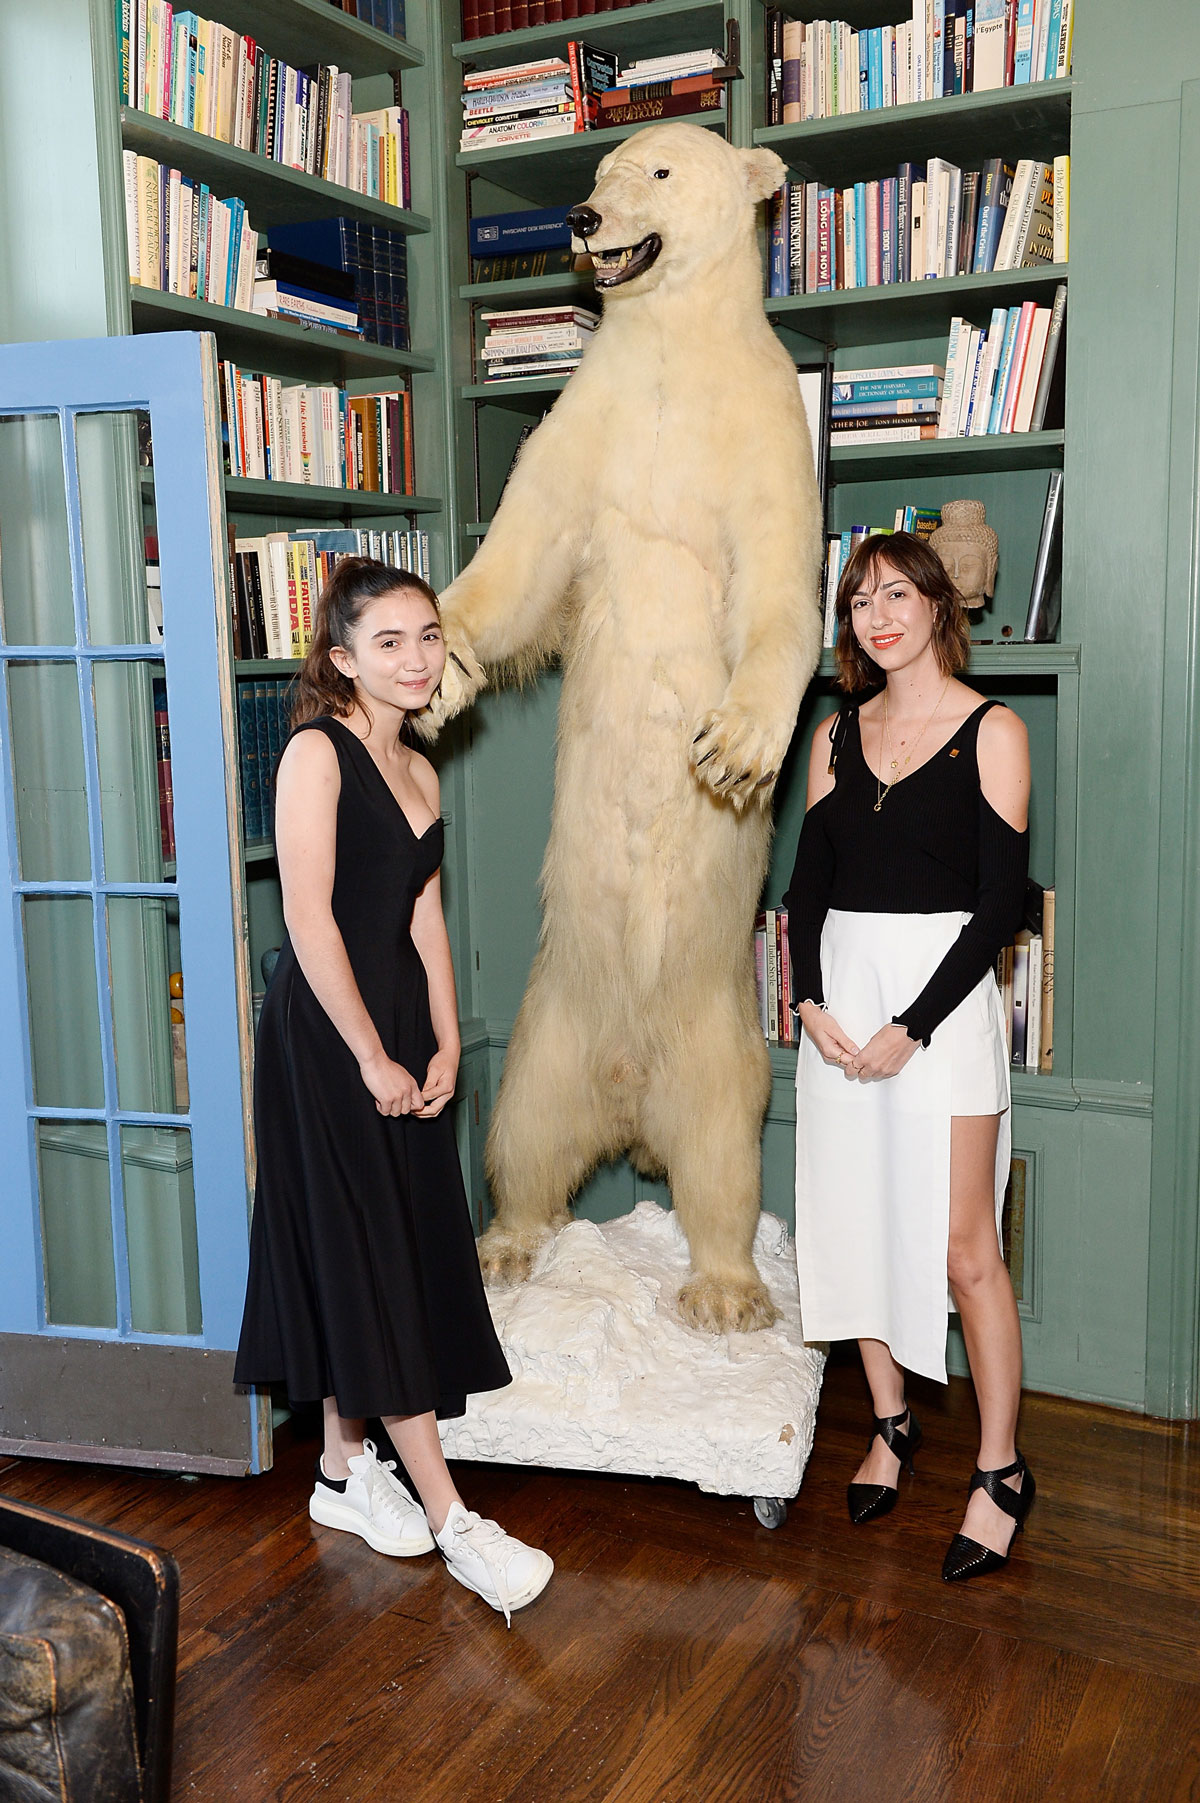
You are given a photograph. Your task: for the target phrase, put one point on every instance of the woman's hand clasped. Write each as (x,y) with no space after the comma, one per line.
(394,1089)
(885,1053)
(440,1079)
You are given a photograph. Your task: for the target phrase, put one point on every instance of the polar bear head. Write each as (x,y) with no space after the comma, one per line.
(668,203)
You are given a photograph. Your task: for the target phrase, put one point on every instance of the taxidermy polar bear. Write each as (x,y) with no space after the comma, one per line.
(661,535)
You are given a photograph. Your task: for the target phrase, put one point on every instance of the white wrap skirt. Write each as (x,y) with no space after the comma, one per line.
(873,1159)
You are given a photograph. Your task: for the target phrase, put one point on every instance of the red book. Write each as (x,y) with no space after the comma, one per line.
(656,90)
(470,18)
(1010,43)
(824,240)
(520,15)
(674,106)
(502,19)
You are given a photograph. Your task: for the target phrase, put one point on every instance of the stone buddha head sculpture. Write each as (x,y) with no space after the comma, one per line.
(969,549)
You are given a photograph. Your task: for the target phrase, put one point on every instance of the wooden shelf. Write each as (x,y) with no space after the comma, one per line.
(529,395)
(947,456)
(1012,657)
(274,194)
(312,31)
(560,170)
(905,310)
(1011,122)
(274,345)
(641,30)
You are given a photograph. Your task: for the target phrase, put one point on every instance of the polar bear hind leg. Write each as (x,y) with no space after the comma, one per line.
(553,1121)
(702,1117)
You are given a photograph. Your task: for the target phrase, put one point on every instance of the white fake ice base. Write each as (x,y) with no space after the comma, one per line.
(606,1376)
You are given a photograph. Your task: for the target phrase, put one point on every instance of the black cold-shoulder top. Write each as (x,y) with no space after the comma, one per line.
(936,846)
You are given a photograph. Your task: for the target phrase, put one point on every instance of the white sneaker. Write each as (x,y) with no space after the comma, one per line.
(504,1572)
(374,1505)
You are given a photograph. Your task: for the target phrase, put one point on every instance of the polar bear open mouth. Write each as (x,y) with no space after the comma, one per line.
(621,265)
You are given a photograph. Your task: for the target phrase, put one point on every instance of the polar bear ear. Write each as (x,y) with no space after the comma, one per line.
(764,172)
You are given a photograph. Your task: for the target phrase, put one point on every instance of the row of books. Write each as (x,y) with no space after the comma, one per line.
(999,377)
(486,18)
(825,67)
(341,264)
(1045,592)
(384,15)
(535,341)
(277,577)
(773,978)
(264,721)
(928,221)
(182,240)
(202,75)
(316,434)
(1025,973)
(585,90)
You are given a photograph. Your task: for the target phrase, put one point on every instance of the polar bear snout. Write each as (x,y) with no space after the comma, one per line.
(584,220)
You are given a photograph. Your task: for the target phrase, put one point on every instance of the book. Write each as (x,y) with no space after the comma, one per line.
(891,434)
(1033,1012)
(1020,996)
(1046,1046)
(677,106)
(1041,619)
(1049,389)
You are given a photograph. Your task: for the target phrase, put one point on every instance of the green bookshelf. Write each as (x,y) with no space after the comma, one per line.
(855,317)
(653,29)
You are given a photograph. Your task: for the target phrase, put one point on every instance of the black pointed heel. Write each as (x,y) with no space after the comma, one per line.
(867,1502)
(966,1557)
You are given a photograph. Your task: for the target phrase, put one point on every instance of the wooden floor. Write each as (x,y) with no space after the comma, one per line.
(682,1653)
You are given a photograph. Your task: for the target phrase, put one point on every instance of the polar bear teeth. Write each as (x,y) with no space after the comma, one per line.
(621,263)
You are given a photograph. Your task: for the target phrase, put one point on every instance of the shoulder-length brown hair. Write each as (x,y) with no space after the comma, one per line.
(321,688)
(912,558)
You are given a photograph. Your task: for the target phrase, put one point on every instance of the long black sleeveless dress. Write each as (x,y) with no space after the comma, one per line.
(364,1283)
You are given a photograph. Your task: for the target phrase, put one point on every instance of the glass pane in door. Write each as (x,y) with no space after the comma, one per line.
(120,533)
(137,810)
(48,772)
(35,557)
(63,1008)
(160,1224)
(145,965)
(77,1244)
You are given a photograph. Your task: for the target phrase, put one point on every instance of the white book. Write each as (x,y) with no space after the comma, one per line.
(833,561)
(1027,172)
(177,110)
(1032,371)
(850,238)
(953,221)
(243,297)
(290,416)
(970,379)
(1041,37)
(256,447)
(1020,996)
(1033,1015)
(1065,30)
(937,194)
(217,267)
(174,195)
(955,360)
(916,215)
(132,251)
(920,44)
(275,428)
(330,421)
(890,372)
(989,45)
(906,433)
(986,389)
(187,204)
(1062,208)
(277,544)
(889,60)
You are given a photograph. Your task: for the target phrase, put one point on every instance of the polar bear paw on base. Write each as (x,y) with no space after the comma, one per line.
(726,1305)
(507,1255)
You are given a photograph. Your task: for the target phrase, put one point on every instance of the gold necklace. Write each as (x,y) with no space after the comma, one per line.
(881,788)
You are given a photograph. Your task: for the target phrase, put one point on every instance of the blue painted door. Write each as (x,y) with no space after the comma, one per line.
(124,1122)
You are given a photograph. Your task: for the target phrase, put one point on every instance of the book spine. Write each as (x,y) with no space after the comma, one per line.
(1046,1049)
(1062,207)
(1058,315)
(674,106)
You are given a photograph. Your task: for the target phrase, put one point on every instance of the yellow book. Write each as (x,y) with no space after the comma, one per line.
(226,66)
(204,49)
(149,224)
(1062,208)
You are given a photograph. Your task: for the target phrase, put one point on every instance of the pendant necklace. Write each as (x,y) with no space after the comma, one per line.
(883,789)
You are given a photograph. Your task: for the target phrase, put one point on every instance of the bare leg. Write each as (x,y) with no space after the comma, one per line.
(415,1438)
(703,1118)
(991,1325)
(886,1381)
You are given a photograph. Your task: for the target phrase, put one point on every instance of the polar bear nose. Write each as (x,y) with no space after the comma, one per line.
(583,221)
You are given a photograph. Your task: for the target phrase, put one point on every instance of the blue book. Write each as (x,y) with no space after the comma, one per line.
(252,826)
(860,235)
(339,304)
(883,409)
(995,186)
(333,242)
(1023,58)
(777,281)
(897,388)
(906,175)
(237,218)
(875,67)
(864,71)
(887,228)
(505,234)
(1004,369)
(1051,64)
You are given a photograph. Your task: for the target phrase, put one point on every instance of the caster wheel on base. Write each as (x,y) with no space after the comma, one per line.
(771,1511)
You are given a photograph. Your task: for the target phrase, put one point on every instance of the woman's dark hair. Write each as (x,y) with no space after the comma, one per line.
(912,558)
(321,688)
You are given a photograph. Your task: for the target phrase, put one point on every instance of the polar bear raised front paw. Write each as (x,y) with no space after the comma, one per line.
(506,1257)
(462,680)
(736,756)
(726,1304)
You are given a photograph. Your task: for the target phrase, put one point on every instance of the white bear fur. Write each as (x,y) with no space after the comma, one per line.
(661,534)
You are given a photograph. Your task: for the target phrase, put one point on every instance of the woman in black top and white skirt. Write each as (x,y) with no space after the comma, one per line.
(909,879)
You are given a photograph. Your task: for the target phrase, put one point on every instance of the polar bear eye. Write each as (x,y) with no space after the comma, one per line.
(660,175)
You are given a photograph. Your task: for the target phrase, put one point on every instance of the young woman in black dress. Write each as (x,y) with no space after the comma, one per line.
(909,879)
(364,1288)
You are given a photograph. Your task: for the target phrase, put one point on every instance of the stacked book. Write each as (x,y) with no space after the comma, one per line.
(183,240)
(819,69)
(525,102)
(507,246)
(484,18)
(535,341)
(316,434)
(276,578)
(927,221)
(360,266)
(665,87)
(773,978)
(1025,974)
(208,78)
(1000,377)
(877,406)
